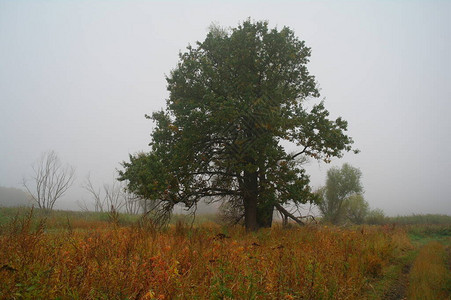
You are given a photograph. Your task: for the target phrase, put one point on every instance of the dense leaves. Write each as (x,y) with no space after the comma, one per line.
(341,197)
(233,99)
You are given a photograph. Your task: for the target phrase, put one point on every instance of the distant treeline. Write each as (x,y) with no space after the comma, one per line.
(13,197)
(421,219)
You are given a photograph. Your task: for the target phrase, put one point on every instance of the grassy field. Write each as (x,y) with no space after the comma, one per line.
(429,277)
(68,255)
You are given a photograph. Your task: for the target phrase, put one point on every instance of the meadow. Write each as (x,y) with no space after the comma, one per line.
(92,256)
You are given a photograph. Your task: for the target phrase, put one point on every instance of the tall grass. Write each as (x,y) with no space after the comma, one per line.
(422,234)
(183,262)
(86,219)
(429,277)
(57,219)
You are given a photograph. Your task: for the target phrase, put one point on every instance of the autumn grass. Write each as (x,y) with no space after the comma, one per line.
(87,257)
(392,281)
(430,277)
(111,261)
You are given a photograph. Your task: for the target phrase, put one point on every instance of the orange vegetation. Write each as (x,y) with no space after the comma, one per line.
(112,262)
(429,278)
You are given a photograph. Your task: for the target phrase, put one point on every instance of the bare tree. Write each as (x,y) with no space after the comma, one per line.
(95,194)
(50,180)
(133,204)
(114,197)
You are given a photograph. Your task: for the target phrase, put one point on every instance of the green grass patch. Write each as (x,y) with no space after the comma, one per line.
(427,219)
(423,234)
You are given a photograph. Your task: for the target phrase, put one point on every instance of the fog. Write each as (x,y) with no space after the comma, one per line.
(77,78)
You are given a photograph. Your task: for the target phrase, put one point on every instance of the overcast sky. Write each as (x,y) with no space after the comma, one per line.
(77,77)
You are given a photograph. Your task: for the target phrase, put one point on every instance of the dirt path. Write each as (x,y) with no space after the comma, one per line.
(398,290)
(432,286)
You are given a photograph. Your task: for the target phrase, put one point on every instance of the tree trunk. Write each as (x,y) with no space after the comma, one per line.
(265,205)
(264,214)
(250,199)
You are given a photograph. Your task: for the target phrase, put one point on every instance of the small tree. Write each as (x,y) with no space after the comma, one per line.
(356,208)
(50,180)
(340,184)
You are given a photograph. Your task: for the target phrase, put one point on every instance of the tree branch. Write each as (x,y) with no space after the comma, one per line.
(286,213)
(297,154)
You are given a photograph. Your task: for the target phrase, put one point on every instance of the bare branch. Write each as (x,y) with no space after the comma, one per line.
(50,180)
(286,213)
(98,201)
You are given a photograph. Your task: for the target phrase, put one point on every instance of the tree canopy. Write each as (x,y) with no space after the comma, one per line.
(340,198)
(234,98)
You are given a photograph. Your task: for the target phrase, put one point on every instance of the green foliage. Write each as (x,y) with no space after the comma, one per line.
(422,219)
(424,233)
(356,208)
(341,184)
(376,217)
(233,98)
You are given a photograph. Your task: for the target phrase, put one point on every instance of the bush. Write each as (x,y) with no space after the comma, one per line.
(376,217)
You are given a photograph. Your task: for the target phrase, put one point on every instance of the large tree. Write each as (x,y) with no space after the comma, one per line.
(233,99)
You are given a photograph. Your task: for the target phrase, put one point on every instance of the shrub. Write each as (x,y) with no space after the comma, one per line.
(376,217)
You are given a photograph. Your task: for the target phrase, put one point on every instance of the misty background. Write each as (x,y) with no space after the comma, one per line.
(78,77)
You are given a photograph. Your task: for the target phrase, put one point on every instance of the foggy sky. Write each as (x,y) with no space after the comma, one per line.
(78,78)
